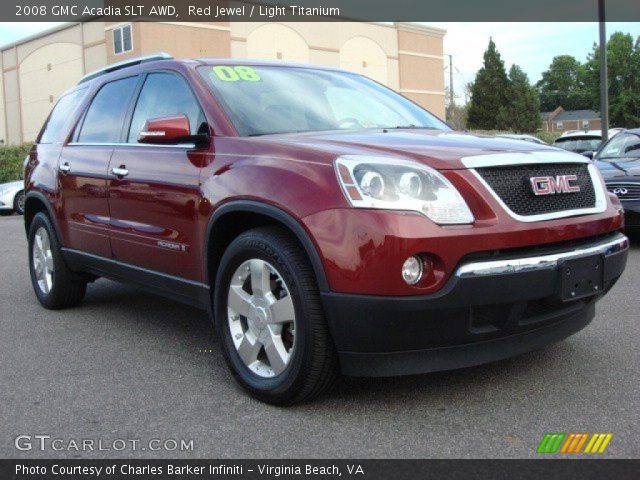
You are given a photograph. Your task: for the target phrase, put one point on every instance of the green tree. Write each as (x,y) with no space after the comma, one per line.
(563,85)
(623,66)
(488,92)
(522,112)
(457,116)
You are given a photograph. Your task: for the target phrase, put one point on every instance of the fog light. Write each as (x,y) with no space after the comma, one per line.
(412,270)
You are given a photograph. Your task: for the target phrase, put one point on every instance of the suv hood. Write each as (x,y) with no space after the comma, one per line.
(610,169)
(436,148)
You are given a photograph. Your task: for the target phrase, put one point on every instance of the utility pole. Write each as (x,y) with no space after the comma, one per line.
(451,95)
(604,79)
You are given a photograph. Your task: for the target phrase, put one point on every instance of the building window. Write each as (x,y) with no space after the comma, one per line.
(559,125)
(122,41)
(585,124)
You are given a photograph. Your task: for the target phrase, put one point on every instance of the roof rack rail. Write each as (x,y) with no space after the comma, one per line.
(126,63)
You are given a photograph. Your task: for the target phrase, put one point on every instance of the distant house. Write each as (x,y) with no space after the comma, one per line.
(561,120)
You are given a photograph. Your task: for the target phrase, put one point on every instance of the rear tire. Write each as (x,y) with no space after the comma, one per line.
(18,203)
(55,286)
(305,363)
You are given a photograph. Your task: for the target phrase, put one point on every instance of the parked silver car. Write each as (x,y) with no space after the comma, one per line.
(12,198)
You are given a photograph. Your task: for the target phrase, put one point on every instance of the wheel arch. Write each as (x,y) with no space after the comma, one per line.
(233,218)
(35,202)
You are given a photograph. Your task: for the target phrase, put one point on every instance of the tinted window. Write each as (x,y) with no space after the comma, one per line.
(53,128)
(579,144)
(103,122)
(622,146)
(262,100)
(165,94)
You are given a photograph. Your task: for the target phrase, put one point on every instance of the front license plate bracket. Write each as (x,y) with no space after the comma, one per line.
(582,277)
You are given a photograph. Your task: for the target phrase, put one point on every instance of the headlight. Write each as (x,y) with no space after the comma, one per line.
(390,184)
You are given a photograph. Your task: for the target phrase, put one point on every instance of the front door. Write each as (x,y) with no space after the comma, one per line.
(154,190)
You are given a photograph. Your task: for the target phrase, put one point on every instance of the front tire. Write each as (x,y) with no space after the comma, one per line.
(270,321)
(55,286)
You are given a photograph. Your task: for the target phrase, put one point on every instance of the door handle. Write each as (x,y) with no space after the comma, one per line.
(65,167)
(120,171)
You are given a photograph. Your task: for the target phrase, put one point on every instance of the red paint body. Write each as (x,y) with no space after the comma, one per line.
(170,194)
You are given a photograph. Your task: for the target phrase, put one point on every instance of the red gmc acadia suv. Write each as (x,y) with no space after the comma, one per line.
(327,223)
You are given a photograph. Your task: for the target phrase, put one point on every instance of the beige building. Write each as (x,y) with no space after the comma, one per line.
(36,70)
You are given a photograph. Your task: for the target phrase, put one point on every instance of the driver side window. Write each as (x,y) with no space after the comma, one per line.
(162,95)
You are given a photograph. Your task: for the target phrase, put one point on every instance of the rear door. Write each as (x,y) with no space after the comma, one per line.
(154,205)
(83,167)
(49,146)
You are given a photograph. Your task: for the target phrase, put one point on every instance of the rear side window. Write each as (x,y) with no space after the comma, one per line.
(104,119)
(53,131)
(165,94)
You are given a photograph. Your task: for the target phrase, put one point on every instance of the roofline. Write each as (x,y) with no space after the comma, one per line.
(406,26)
(35,36)
(419,28)
(129,62)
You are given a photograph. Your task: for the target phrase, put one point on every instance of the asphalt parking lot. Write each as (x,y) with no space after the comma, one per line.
(129,365)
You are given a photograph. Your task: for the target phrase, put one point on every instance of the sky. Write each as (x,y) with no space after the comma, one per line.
(530,45)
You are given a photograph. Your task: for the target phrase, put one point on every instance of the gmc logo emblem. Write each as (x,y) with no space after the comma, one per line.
(554,185)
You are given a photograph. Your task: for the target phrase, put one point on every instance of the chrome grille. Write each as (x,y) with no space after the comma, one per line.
(512,185)
(625,190)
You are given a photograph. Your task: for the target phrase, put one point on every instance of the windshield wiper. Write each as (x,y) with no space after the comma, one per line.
(411,126)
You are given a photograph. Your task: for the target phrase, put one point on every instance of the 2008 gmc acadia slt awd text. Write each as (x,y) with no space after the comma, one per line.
(327,223)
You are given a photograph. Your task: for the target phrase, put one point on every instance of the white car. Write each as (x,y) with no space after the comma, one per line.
(585,142)
(12,198)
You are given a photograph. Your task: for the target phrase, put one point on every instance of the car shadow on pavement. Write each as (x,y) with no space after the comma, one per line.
(128,307)
(190,329)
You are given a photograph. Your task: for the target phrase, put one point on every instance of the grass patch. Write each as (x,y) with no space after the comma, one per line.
(11,159)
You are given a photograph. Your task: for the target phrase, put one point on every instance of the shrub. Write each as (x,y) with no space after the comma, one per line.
(11,160)
(548,137)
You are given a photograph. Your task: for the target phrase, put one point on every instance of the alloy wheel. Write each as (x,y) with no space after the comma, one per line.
(43,260)
(261,318)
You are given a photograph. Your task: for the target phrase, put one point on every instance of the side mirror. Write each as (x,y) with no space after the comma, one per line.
(588,154)
(170,130)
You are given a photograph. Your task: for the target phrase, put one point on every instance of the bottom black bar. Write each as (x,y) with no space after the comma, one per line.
(325,469)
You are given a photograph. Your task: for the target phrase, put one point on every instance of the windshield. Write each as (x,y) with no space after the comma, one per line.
(623,147)
(261,100)
(579,145)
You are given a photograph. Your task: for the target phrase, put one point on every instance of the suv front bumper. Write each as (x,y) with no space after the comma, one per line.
(489,310)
